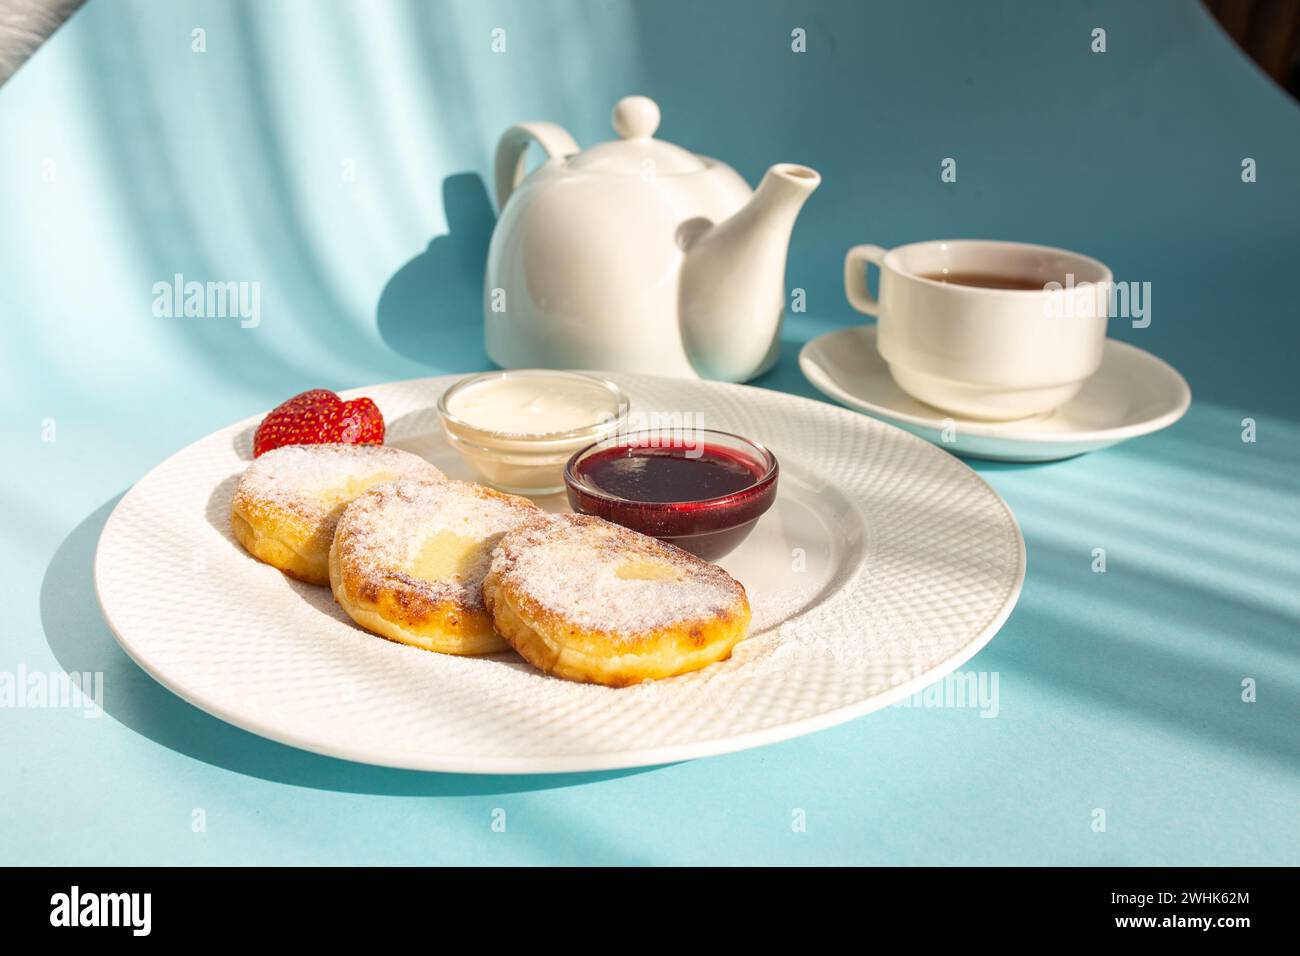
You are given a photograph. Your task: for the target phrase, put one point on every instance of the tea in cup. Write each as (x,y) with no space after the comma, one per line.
(984,329)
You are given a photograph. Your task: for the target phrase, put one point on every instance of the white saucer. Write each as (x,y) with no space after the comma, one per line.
(1133,393)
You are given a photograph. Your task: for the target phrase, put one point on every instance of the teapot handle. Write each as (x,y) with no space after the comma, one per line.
(513,145)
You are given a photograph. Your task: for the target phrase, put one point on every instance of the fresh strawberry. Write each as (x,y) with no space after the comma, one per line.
(320,416)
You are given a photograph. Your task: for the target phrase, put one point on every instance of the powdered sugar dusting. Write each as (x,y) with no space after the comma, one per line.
(307,480)
(381,535)
(606,578)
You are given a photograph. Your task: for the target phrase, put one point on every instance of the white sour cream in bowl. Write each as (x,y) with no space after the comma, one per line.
(518,428)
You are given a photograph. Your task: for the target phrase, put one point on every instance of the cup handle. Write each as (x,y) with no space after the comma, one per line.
(855,277)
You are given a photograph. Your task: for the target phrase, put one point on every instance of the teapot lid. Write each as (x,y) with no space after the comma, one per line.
(636,152)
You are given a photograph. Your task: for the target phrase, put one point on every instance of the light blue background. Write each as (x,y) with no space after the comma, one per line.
(1118,691)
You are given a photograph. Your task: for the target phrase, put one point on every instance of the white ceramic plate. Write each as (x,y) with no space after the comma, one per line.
(884,565)
(1133,393)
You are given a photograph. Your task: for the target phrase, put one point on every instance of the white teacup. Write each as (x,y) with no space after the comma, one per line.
(990,353)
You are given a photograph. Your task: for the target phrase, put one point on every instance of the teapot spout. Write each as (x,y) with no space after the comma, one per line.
(733,279)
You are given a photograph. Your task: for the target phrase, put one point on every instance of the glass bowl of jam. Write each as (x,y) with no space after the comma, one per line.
(701,490)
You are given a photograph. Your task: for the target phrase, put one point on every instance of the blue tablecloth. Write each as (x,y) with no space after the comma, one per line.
(336,154)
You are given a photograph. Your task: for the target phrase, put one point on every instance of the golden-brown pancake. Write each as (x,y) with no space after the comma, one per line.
(588,600)
(409,558)
(288,500)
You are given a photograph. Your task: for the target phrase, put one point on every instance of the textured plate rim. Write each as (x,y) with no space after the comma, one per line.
(821,381)
(511,765)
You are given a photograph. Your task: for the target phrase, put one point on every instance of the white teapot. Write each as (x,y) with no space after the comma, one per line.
(636,255)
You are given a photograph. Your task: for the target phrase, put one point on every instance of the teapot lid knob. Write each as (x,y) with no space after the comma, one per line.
(636,117)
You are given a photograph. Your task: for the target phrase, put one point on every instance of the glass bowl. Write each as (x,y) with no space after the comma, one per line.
(529,459)
(659,499)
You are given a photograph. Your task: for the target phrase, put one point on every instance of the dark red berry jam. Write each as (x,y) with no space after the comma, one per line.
(703,495)
(670,474)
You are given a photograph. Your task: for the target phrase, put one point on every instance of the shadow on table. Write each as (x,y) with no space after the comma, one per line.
(1194,599)
(433,305)
(81,641)
(1114,653)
